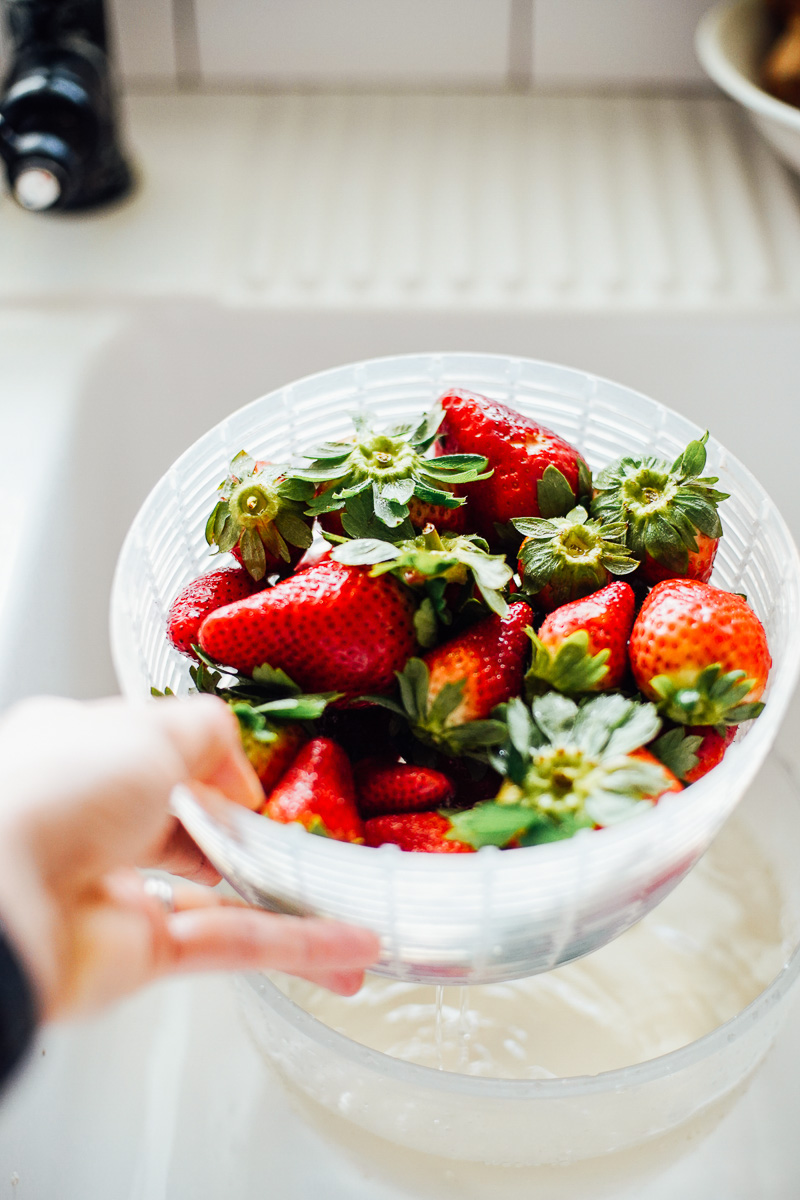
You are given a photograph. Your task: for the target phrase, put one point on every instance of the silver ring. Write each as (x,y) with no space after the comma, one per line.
(162,891)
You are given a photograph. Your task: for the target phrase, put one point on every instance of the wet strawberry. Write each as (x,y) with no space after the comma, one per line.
(385,787)
(448,696)
(701,653)
(272,749)
(711,750)
(568,768)
(318,792)
(519,452)
(203,596)
(673,527)
(379,481)
(568,557)
(583,646)
(426,832)
(260,516)
(331,627)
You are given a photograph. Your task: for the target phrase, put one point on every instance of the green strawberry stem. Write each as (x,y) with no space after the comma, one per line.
(570,668)
(715,698)
(665,506)
(259,512)
(571,556)
(570,767)
(387,470)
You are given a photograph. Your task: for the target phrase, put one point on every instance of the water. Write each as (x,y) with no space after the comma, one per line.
(690,965)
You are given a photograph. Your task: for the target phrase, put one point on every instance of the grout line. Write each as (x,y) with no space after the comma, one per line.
(520,45)
(187,45)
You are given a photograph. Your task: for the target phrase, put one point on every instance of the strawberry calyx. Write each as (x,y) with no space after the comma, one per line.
(566,558)
(268,695)
(432,562)
(258,513)
(570,667)
(435,722)
(664,506)
(715,697)
(386,470)
(567,767)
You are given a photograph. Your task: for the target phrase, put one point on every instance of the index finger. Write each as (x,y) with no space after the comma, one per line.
(205,734)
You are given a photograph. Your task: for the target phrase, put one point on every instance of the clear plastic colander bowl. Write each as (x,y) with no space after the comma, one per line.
(497,914)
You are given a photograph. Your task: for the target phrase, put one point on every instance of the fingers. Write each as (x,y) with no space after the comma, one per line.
(229,937)
(205,733)
(179,855)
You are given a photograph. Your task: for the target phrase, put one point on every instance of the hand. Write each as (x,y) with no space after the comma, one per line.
(84,789)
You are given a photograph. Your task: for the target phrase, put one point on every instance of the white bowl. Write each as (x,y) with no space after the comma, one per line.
(731,41)
(471,918)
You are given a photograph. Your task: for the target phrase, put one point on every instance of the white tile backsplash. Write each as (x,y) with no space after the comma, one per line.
(363,42)
(607,42)
(142,34)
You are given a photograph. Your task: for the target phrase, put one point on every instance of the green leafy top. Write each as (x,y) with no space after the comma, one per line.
(677,750)
(567,767)
(665,506)
(260,511)
(387,469)
(716,697)
(571,556)
(436,722)
(432,562)
(269,692)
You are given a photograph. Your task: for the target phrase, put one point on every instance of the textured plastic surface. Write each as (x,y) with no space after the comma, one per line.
(494,915)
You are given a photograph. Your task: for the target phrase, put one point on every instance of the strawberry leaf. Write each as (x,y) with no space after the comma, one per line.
(677,750)
(554,495)
(491,824)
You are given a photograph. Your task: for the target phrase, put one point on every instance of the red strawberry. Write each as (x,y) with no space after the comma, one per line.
(568,557)
(425,832)
(671,782)
(700,652)
(449,694)
(318,792)
(384,480)
(260,518)
(489,657)
(711,750)
(673,527)
(583,646)
(385,787)
(202,596)
(332,628)
(519,452)
(272,756)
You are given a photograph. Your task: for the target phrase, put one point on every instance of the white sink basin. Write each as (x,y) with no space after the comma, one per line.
(95,403)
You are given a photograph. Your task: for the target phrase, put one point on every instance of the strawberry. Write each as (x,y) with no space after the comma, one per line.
(318,792)
(380,482)
(700,652)
(332,628)
(449,694)
(384,787)
(568,768)
(424,831)
(671,511)
(711,750)
(583,646)
(534,471)
(441,567)
(260,515)
(201,597)
(271,748)
(568,557)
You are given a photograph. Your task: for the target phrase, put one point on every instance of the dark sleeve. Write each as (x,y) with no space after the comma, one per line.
(17,1009)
